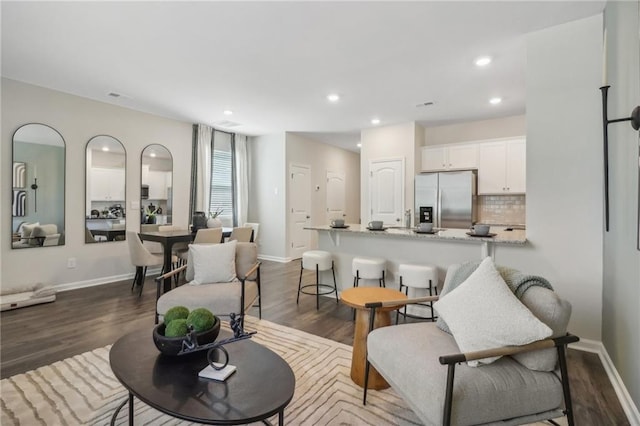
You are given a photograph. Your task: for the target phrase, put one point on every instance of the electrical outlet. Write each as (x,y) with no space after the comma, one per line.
(71,262)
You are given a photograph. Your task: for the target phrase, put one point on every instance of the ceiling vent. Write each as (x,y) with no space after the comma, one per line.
(226,123)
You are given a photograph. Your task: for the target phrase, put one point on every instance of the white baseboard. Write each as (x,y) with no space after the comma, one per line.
(629,407)
(101,281)
(275,258)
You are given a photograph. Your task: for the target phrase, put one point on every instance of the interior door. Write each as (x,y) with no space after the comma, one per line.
(386,191)
(300,209)
(336,195)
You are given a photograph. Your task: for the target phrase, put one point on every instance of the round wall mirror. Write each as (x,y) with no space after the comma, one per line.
(105,206)
(156,189)
(37,208)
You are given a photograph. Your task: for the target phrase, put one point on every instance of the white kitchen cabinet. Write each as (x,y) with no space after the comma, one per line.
(107,184)
(450,157)
(158,184)
(502,167)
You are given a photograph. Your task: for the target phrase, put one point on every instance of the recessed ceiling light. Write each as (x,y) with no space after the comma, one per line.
(495,101)
(105,148)
(359,145)
(227,112)
(375,121)
(333,97)
(483,61)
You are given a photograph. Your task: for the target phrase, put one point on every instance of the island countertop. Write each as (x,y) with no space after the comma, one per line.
(502,236)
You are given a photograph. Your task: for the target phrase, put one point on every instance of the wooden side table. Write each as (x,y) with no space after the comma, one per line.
(356,298)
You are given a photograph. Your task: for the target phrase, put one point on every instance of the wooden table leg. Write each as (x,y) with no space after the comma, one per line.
(358,359)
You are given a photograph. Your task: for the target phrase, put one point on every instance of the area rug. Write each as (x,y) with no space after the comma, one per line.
(82,390)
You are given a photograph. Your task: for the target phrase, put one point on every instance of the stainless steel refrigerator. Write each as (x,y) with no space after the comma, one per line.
(446,199)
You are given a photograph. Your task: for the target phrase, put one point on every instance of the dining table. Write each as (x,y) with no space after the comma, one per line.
(111,234)
(168,239)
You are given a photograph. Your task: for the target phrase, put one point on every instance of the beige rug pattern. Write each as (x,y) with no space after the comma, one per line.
(82,390)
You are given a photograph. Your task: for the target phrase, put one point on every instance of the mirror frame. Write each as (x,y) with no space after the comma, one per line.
(169,199)
(87,199)
(34,186)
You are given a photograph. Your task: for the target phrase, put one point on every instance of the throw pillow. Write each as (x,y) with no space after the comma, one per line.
(26,230)
(483,313)
(213,263)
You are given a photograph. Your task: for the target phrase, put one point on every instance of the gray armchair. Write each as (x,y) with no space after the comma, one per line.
(221,298)
(425,367)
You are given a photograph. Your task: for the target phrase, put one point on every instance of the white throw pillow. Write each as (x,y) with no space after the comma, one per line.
(26,230)
(213,263)
(483,313)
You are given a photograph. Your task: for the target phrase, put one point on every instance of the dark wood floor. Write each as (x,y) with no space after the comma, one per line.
(85,319)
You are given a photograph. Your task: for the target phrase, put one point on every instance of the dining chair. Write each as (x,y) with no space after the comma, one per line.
(178,247)
(256,228)
(203,236)
(141,258)
(242,234)
(152,246)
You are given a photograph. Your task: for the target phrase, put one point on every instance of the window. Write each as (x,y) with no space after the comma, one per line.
(221,195)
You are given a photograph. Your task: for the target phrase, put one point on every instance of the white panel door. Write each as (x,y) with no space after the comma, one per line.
(386,191)
(300,209)
(336,195)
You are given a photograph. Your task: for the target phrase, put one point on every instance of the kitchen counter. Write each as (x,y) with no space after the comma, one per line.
(501,237)
(402,245)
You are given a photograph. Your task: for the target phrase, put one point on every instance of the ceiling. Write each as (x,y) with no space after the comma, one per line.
(274,63)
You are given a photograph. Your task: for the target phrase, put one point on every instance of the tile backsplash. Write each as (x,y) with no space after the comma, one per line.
(502,209)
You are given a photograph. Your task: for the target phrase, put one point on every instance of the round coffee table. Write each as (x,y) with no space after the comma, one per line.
(261,387)
(357,297)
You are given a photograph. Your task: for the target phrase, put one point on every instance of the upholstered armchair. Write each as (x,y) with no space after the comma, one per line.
(466,378)
(224,278)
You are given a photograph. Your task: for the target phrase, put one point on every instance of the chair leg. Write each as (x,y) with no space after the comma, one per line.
(405,306)
(384,284)
(144,276)
(565,385)
(366,381)
(135,278)
(317,287)
(259,295)
(335,285)
(299,284)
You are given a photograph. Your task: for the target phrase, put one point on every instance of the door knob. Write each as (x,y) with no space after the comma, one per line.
(308,217)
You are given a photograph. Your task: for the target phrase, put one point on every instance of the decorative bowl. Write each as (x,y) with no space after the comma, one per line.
(173,345)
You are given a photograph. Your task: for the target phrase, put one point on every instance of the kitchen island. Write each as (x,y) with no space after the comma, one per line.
(405,245)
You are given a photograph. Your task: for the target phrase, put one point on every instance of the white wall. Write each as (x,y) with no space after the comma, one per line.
(476,130)
(78,120)
(322,157)
(564,169)
(397,141)
(267,193)
(621,295)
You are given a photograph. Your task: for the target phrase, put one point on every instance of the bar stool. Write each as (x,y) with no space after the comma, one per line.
(317,260)
(418,276)
(368,268)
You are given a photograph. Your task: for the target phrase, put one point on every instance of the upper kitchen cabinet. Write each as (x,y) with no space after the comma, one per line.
(450,157)
(502,167)
(106,184)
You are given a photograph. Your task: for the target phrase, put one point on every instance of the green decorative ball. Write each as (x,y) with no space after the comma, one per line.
(175,313)
(176,328)
(201,319)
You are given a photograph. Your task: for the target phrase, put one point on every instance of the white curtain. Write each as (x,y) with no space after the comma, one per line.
(242,179)
(203,177)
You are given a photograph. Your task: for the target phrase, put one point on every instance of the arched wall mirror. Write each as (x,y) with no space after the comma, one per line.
(156,189)
(105,205)
(37,208)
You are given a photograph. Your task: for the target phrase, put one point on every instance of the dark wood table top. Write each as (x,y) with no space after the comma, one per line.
(260,388)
